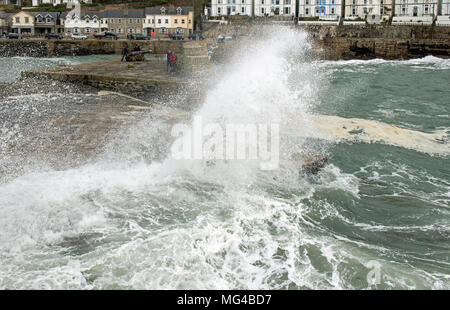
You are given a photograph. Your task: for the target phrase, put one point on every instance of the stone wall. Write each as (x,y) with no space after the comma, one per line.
(12,48)
(43,48)
(348,31)
(363,48)
(332,42)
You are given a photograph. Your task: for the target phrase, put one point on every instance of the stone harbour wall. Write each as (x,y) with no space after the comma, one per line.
(362,48)
(46,48)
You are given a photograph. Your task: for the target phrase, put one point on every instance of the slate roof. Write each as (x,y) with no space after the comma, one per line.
(168,10)
(54,15)
(121,14)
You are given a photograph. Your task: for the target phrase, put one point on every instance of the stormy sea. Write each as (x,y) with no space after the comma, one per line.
(125,214)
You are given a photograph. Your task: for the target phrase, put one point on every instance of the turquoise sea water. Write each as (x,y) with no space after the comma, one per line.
(377,217)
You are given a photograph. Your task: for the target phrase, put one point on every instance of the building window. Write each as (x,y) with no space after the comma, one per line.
(307,11)
(262,10)
(219,11)
(332,11)
(353,11)
(27,20)
(119,20)
(287,10)
(137,21)
(176,21)
(111,21)
(17,20)
(159,21)
(365,10)
(88,30)
(182,21)
(167,21)
(130,21)
(163,30)
(112,30)
(307,2)
(119,30)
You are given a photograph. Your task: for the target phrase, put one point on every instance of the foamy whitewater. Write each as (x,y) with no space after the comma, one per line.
(376,217)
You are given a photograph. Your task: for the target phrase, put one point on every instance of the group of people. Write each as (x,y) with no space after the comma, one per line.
(171,57)
(126,51)
(171,61)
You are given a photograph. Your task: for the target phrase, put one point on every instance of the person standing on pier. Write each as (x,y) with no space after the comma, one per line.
(124,52)
(168,60)
(173,62)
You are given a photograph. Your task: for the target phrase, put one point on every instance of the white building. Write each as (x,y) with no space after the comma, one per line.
(322,9)
(415,11)
(231,7)
(374,11)
(161,20)
(158,19)
(87,23)
(261,7)
(445,7)
(275,7)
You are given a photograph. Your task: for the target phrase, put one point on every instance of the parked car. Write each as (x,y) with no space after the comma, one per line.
(140,37)
(13,36)
(175,36)
(53,36)
(106,34)
(78,36)
(195,36)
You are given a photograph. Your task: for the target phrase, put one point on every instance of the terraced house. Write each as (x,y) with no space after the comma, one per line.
(253,7)
(321,9)
(5,22)
(415,11)
(23,23)
(122,21)
(86,23)
(374,11)
(46,22)
(160,21)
